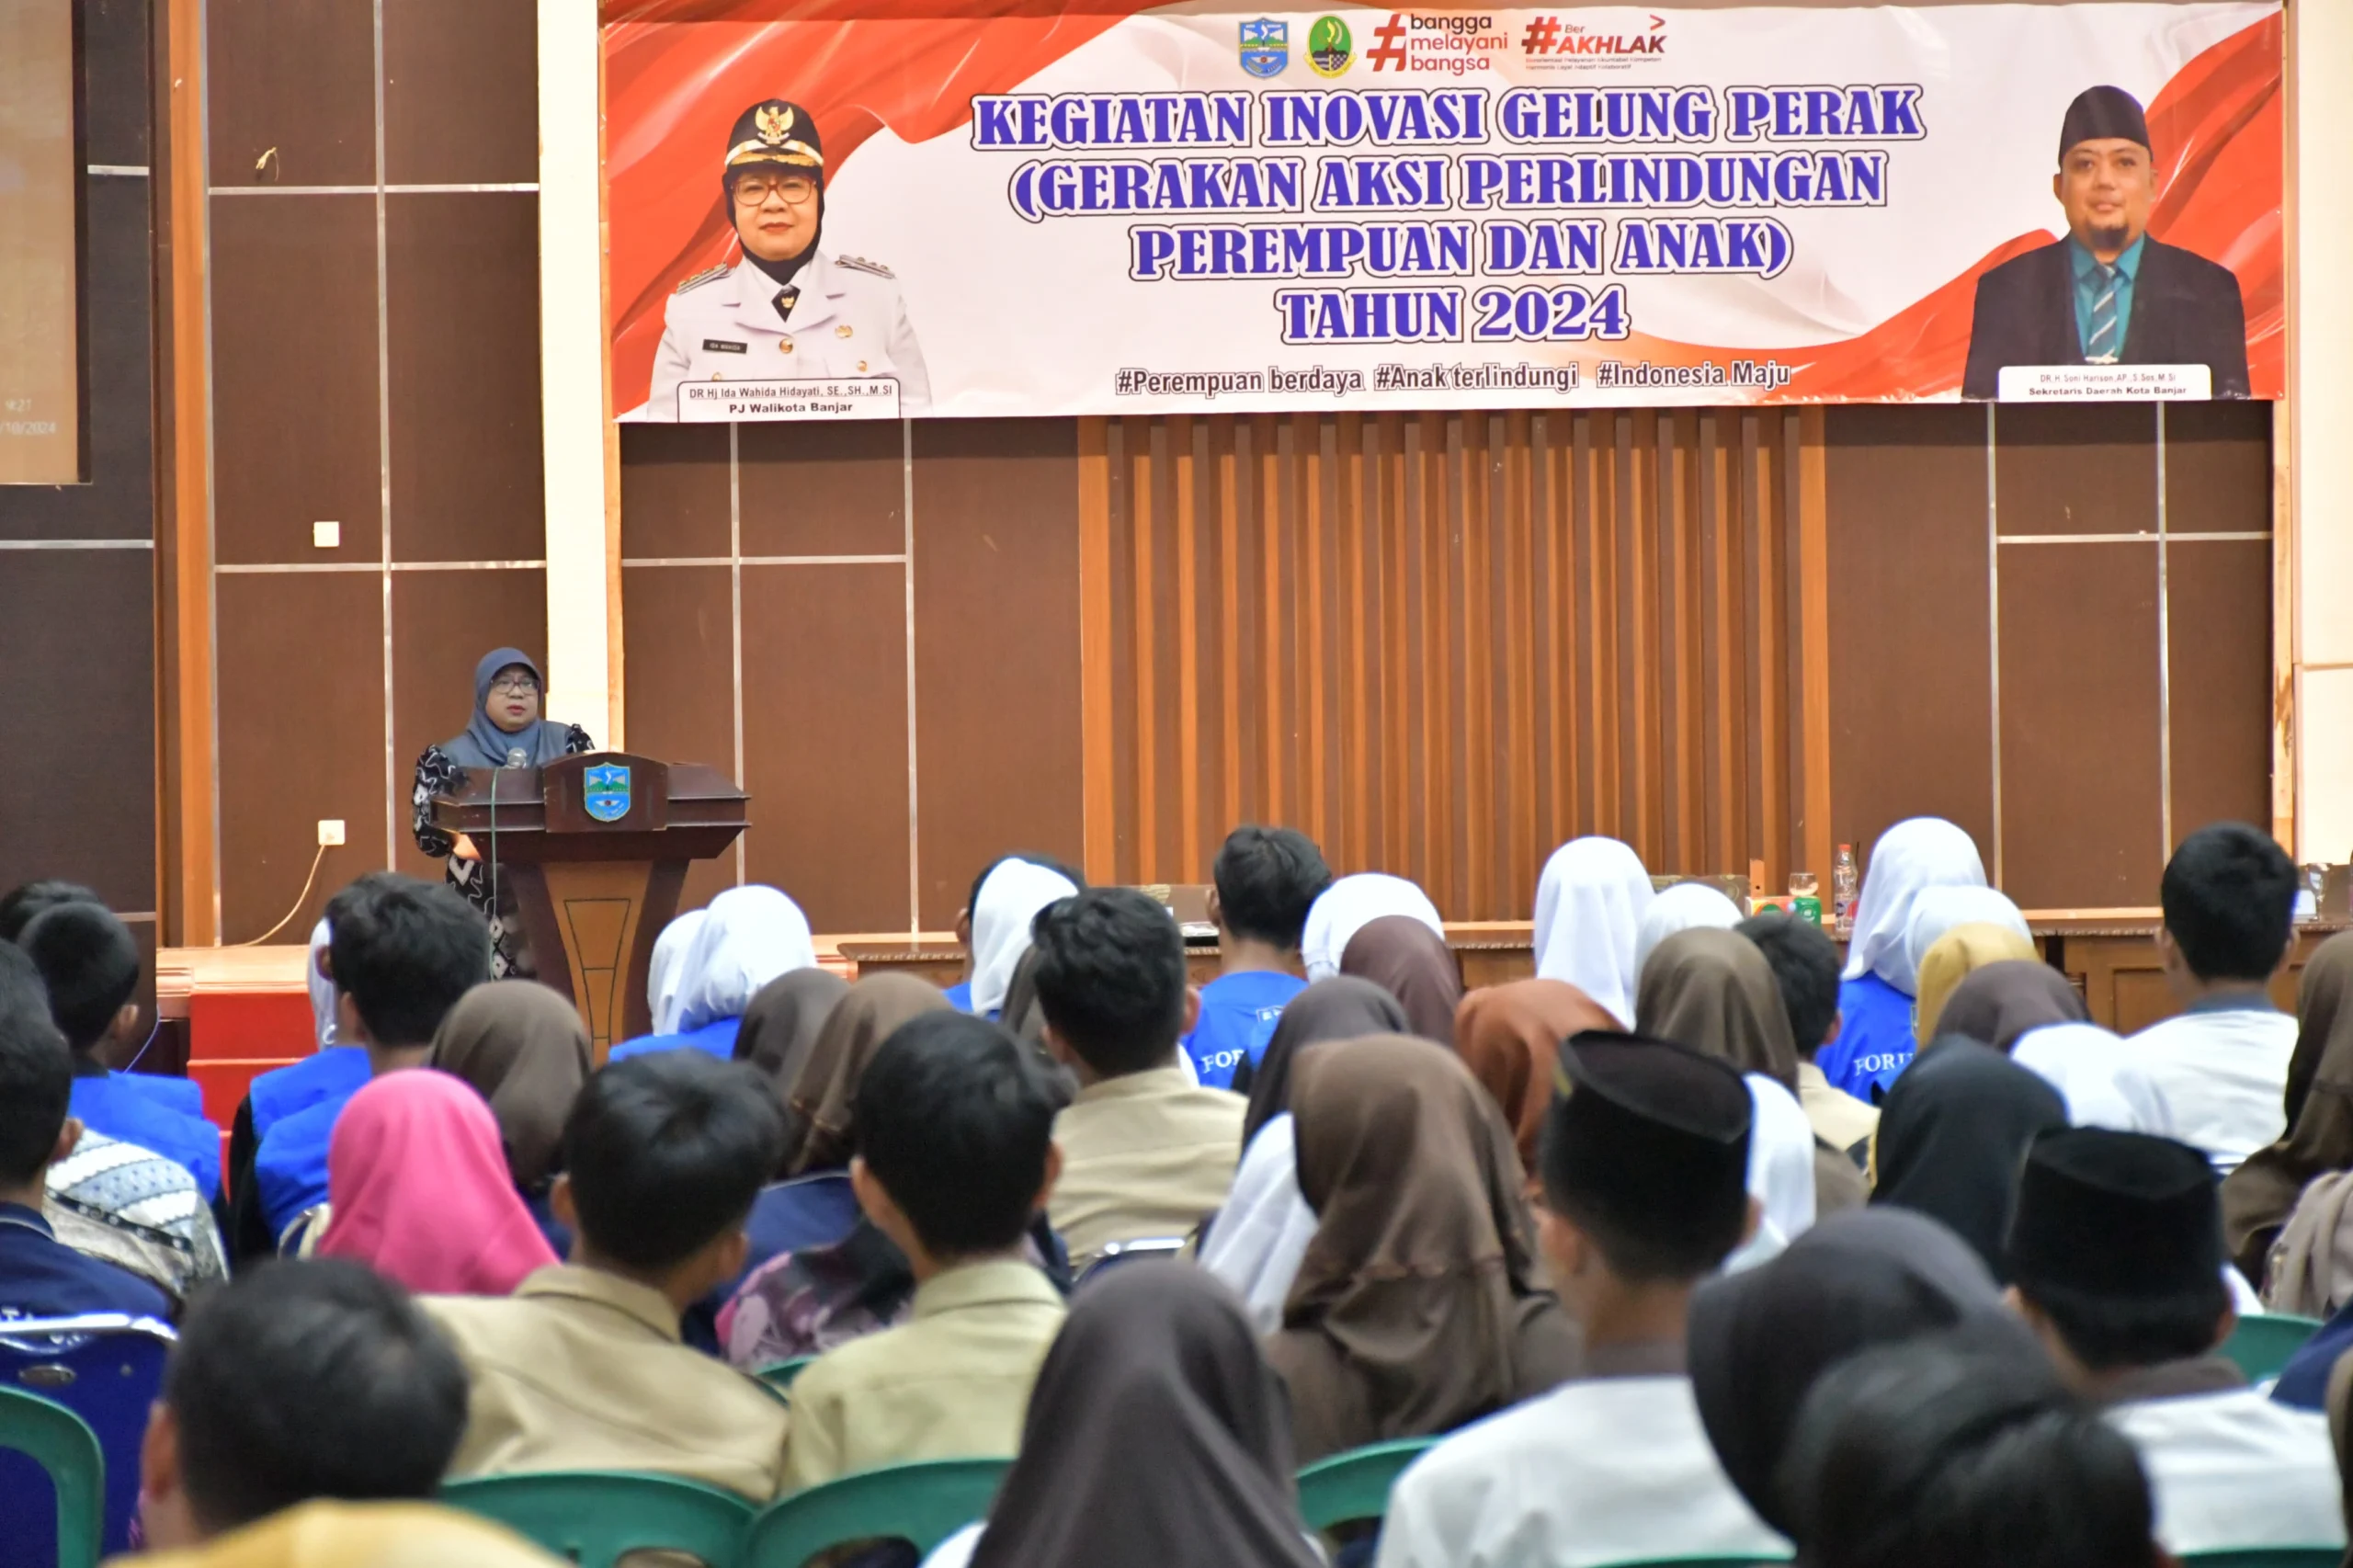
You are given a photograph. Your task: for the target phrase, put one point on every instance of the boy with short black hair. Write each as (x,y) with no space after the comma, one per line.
(583,1367)
(1266,879)
(26,901)
(955,1122)
(89,962)
(298,1381)
(2116,1252)
(1804,962)
(402,951)
(1645,1163)
(40,1277)
(2219,1068)
(1146,1151)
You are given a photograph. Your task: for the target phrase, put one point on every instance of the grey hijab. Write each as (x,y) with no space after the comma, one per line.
(482,744)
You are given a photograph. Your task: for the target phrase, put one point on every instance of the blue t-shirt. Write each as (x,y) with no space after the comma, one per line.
(334,1072)
(1238,1013)
(290,1164)
(118,1105)
(960,996)
(1874,1044)
(2304,1382)
(716,1037)
(40,1277)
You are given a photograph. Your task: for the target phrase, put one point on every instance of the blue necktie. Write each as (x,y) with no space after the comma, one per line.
(2101,341)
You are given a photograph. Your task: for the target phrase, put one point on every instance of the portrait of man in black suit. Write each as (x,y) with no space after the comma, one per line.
(2108,294)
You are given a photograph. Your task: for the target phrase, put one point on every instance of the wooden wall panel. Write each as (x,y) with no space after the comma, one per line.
(1443,643)
(681,693)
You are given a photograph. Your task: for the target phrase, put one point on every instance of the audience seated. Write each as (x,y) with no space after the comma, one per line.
(1509,1036)
(1645,1159)
(90,964)
(748,936)
(994,925)
(1938,912)
(1876,1040)
(779,1037)
(2094,1072)
(2219,1068)
(1590,900)
(138,1211)
(419,1190)
(335,1071)
(2258,1197)
(523,1048)
(818,1274)
(42,1277)
(1405,957)
(667,968)
(2117,1252)
(401,952)
(1350,904)
(1258,1237)
(1420,1304)
(363,1534)
(1265,880)
(1145,1151)
(1939,1454)
(955,1153)
(22,903)
(1951,959)
(1805,962)
(1685,906)
(297,1384)
(1952,1137)
(582,1368)
(2000,1003)
(1156,1435)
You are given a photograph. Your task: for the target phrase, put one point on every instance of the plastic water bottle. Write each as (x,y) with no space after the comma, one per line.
(1845,883)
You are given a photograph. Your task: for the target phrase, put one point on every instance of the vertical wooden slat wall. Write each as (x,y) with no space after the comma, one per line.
(1443,643)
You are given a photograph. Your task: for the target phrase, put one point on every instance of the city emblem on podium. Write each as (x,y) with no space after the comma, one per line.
(1265,47)
(604,792)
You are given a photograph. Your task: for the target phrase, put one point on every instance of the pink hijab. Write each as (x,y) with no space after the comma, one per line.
(419,1189)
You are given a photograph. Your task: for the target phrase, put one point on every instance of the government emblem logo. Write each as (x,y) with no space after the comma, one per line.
(1330,49)
(604,792)
(1265,47)
(773,121)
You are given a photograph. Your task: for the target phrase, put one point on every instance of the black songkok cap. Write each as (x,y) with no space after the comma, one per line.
(2099,113)
(1649,1133)
(775,132)
(2111,1214)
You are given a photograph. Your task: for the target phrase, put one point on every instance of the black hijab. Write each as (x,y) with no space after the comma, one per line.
(1343,1007)
(1157,1359)
(482,744)
(1952,1140)
(1760,1339)
(2002,1001)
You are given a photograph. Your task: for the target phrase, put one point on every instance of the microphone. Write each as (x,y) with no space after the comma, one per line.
(516,758)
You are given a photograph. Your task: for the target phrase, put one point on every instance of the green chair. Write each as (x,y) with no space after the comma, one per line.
(594,1517)
(778,1375)
(924,1502)
(2266,1557)
(1355,1485)
(2261,1344)
(62,1444)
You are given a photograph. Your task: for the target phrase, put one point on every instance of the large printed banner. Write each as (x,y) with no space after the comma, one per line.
(994,207)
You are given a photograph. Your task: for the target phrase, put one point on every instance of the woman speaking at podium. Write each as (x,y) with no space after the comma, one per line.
(504,732)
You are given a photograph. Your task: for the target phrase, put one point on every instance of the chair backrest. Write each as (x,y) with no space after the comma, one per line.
(2266,1557)
(924,1502)
(1355,1485)
(106,1367)
(2262,1344)
(779,1375)
(595,1516)
(61,1444)
(1117,1253)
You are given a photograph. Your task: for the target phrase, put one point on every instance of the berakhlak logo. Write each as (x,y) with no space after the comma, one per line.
(1388,50)
(1551,40)
(603,792)
(1265,47)
(1331,48)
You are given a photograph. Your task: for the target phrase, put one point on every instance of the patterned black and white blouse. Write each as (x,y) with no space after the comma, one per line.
(436,774)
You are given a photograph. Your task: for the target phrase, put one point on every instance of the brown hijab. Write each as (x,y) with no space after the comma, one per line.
(826,1088)
(2258,1197)
(1420,1304)
(1509,1036)
(1712,991)
(1413,963)
(2007,999)
(523,1050)
(779,1030)
(1343,1007)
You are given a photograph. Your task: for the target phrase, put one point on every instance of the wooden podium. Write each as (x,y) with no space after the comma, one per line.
(591,852)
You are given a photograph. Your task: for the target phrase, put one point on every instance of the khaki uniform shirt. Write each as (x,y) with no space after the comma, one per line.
(1839,1119)
(580,1369)
(1144,1155)
(950,1382)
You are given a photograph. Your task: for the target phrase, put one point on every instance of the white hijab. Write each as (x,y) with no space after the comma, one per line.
(1011,895)
(1589,907)
(1937,910)
(2095,1073)
(1780,1172)
(321,990)
(750,936)
(1350,904)
(1915,855)
(1680,908)
(1259,1238)
(665,970)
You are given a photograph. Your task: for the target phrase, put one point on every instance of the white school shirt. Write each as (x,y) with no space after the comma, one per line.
(1608,1470)
(2235,1470)
(2218,1074)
